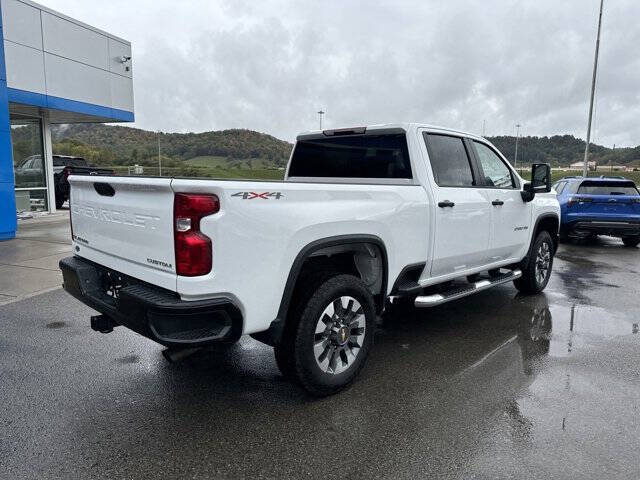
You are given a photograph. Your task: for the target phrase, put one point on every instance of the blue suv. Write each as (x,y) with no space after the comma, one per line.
(599,206)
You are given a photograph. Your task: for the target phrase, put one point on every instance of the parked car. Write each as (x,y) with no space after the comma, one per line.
(365,217)
(63,166)
(31,173)
(595,206)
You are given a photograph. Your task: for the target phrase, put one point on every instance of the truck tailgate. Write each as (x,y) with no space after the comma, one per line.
(125,223)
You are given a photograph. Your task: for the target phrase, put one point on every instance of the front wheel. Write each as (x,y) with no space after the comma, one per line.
(631,241)
(536,273)
(332,338)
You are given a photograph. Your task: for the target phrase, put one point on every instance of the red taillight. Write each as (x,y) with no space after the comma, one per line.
(193,248)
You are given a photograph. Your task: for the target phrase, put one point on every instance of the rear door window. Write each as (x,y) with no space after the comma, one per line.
(496,173)
(559,187)
(353,156)
(449,161)
(608,188)
(572,187)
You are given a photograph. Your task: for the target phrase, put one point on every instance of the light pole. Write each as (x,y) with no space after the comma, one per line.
(159,159)
(320,114)
(515,158)
(585,167)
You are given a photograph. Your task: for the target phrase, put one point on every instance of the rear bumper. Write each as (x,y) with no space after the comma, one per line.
(614,228)
(153,312)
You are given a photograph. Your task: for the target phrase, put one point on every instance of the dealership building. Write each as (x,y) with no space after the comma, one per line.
(53,70)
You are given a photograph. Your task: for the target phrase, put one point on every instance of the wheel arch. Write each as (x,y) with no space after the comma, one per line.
(359,246)
(549,222)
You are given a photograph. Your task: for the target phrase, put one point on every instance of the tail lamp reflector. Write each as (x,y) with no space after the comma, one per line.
(192,247)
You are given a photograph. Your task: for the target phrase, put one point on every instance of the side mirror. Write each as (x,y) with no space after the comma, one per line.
(541,177)
(527,192)
(540,181)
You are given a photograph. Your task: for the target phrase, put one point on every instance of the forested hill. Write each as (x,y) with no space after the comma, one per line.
(563,150)
(116,145)
(106,144)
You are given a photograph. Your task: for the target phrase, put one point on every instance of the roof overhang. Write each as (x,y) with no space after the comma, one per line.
(62,110)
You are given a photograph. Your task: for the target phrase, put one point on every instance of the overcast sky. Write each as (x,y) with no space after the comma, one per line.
(270,65)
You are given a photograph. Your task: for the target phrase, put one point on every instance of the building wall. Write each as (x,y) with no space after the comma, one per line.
(55,60)
(8,222)
(59,70)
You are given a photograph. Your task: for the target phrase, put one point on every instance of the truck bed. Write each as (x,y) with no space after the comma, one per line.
(256,235)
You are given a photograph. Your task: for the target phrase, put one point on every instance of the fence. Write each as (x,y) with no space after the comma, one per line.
(192,171)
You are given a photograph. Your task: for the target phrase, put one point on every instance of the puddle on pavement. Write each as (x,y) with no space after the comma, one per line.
(575,326)
(577,284)
(554,330)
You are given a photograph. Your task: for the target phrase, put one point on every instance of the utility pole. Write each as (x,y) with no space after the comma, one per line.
(585,168)
(515,157)
(159,159)
(320,114)
(613,157)
(484,123)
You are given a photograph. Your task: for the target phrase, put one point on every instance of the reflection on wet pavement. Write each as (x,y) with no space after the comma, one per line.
(498,385)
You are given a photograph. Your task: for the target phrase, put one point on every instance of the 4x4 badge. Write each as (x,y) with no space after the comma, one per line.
(263,195)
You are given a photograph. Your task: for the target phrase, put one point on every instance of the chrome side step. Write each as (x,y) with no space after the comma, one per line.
(426,301)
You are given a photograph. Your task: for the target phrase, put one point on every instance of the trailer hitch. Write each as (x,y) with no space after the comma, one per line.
(103,323)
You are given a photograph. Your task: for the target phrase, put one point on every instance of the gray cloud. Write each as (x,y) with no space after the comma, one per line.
(269,65)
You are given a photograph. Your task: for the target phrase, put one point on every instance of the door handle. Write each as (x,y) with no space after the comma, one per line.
(446,204)
(497,202)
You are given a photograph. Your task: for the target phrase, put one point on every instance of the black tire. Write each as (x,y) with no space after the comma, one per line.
(296,351)
(283,351)
(530,281)
(593,238)
(631,241)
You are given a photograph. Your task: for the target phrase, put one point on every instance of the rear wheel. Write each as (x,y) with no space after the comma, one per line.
(282,350)
(631,241)
(330,336)
(536,273)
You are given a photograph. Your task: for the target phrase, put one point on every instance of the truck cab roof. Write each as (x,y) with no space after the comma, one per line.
(384,128)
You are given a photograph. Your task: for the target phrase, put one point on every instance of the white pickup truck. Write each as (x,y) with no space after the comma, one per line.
(364,217)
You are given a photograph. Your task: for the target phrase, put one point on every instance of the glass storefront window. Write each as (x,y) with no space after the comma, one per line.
(28,164)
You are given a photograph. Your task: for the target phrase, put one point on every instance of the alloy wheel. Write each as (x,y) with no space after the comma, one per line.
(543,262)
(339,335)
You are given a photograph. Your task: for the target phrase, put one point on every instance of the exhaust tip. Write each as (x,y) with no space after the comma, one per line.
(176,355)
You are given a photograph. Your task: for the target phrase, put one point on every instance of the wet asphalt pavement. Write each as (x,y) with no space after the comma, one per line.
(496,385)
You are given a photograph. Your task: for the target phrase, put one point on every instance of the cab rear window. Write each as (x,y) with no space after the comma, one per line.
(352,156)
(608,188)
